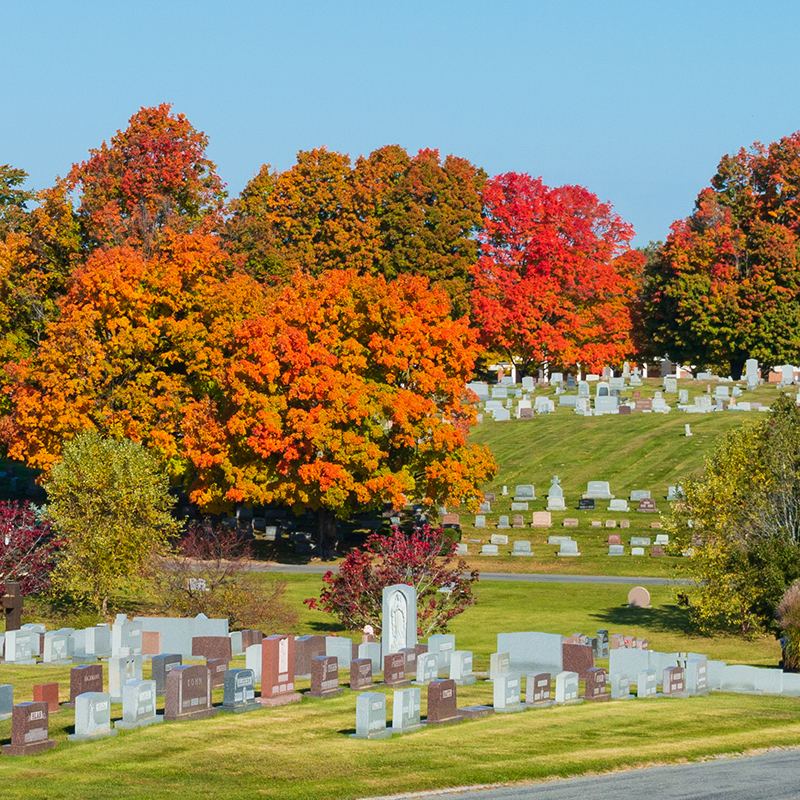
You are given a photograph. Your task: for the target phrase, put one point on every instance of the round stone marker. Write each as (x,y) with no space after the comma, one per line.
(639,597)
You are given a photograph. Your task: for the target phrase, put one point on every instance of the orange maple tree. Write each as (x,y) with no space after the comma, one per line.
(556,279)
(136,339)
(347,394)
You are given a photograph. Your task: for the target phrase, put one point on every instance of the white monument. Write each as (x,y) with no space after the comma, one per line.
(399,618)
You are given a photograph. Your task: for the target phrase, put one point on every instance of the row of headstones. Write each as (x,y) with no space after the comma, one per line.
(507,697)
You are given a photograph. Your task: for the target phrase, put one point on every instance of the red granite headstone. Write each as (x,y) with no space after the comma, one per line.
(324,677)
(306,649)
(47,693)
(212,647)
(577,658)
(673,682)
(614,538)
(394,671)
(442,702)
(151,643)
(410,654)
(29,730)
(277,671)
(85,678)
(360,673)
(251,637)
(217,667)
(596,685)
(537,689)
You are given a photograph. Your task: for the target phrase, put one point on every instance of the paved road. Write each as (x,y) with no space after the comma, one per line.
(321,569)
(769,776)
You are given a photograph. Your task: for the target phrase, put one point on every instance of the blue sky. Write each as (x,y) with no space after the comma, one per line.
(635,100)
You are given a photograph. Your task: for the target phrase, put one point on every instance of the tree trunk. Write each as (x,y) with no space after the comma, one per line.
(327,533)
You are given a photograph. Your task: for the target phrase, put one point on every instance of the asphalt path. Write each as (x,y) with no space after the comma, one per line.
(767,776)
(321,569)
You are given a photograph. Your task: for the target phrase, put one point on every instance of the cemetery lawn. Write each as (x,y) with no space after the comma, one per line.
(303,751)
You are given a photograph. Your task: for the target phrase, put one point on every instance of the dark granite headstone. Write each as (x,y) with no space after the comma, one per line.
(240,691)
(360,674)
(526,413)
(30,729)
(644,404)
(217,667)
(489,497)
(188,693)
(324,677)
(624,410)
(518,521)
(277,671)
(47,693)
(307,648)
(12,605)
(250,637)
(657,551)
(410,654)
(162,665)
(577,658)
(420,648)
(596,685)
(87,678)
(212,647)
(673,682)
(442,702)
(586,504)
(394,671)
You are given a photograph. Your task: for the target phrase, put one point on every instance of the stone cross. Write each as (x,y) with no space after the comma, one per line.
(12,603)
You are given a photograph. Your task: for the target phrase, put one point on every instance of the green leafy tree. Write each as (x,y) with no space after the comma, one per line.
(13,199)
(110,500)
(740,523)
(726,284)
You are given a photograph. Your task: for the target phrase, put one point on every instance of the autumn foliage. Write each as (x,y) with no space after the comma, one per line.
(556,279)
(354,595)
(28,547)
(348,394)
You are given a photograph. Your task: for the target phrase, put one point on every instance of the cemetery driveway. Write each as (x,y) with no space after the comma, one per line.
(321,569)
(767,776)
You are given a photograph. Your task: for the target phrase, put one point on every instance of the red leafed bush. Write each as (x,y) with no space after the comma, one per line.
(28,547)
(355,594)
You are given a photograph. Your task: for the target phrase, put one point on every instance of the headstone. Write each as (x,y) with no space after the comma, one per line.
(29,730)
(502,523)
(480,521)
(586,504)
(614,538)
(56,648)
(616,550)
(489,550)
(673,684)
(277,671)
(19,647)
(555,496)
(577,658)
(92,717)
(306,649)
(568,549)
(427,668)
(188,693)
(537,690)
(618,505)
(637,551)
(394,670)
(47,693)
(601,648)
(507,691)
(640,541)
(252,660)
(6,700)
(360,674)
(372,651)
(371,717)
(531,651)
(122,669)
(498,662)
(542,519)
(126,637)
(498,538)
(620,686)
(162,665)
(696,675)
(461,668)
(522,549)
(647,505)
(647,684)
(13,604)
(639,597)
(519,506)
(596,685)
(570,522)
(443,644)
(138,705)
(341,647)
(611,523)
(442,703)
(406,709)
(213,647)
(97,641)
(217,667)
(325,677)
(151,643)
(598,490)
(524,493)
(567,687)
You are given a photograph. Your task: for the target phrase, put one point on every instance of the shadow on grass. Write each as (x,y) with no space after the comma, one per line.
(332,627)
(665,619)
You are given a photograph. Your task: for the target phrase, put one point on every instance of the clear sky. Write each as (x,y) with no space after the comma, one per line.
(635,100)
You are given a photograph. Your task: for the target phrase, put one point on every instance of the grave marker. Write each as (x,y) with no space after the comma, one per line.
(507,692)
(161,665)
(92,717)
(360,674)
(442,702)
(567,688)
(188,694)
(394,670)
(406,709)
(29,730)
(596,685)
(277,670)
(371,717)
(47,693)
(537,690)
(138,706)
